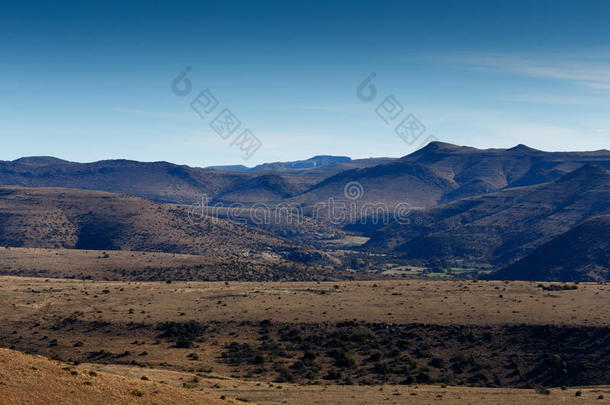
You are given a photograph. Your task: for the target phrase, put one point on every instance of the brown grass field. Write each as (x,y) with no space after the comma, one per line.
(124,265)
(251,340)
(413,301)
(94,264)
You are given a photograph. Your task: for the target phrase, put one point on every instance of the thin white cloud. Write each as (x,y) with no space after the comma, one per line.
(591,70)
(334,108)
(186,115)
(557,99)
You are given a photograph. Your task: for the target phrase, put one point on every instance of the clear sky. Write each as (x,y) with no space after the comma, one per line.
(86,81)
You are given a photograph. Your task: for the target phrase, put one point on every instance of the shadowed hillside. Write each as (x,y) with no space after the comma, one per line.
(503,226)
(581,254)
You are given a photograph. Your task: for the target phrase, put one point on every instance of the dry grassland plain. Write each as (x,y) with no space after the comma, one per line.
(398,339)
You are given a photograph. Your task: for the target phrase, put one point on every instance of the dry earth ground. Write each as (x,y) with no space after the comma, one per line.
(30,379)
(412,301)
(272,393)
(124,265)
(34,380)
(73,319)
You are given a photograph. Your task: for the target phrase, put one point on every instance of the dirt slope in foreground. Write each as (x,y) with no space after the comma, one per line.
(30,379)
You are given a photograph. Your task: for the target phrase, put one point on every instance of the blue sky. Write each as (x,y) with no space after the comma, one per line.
(87,81)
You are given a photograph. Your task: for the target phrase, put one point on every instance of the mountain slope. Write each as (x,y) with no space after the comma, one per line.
(263,188)
(440,173)
(395,181)
(52,217)
(581,254)
(160,181)
(504,226)
(479,171)
(32,379)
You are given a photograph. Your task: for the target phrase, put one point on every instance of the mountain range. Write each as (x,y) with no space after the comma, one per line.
(436,174)
(170,183)
(497,207)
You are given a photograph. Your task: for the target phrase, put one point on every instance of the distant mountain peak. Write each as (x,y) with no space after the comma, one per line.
(522,148)
(437,145)
(39,160)
(316,161)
